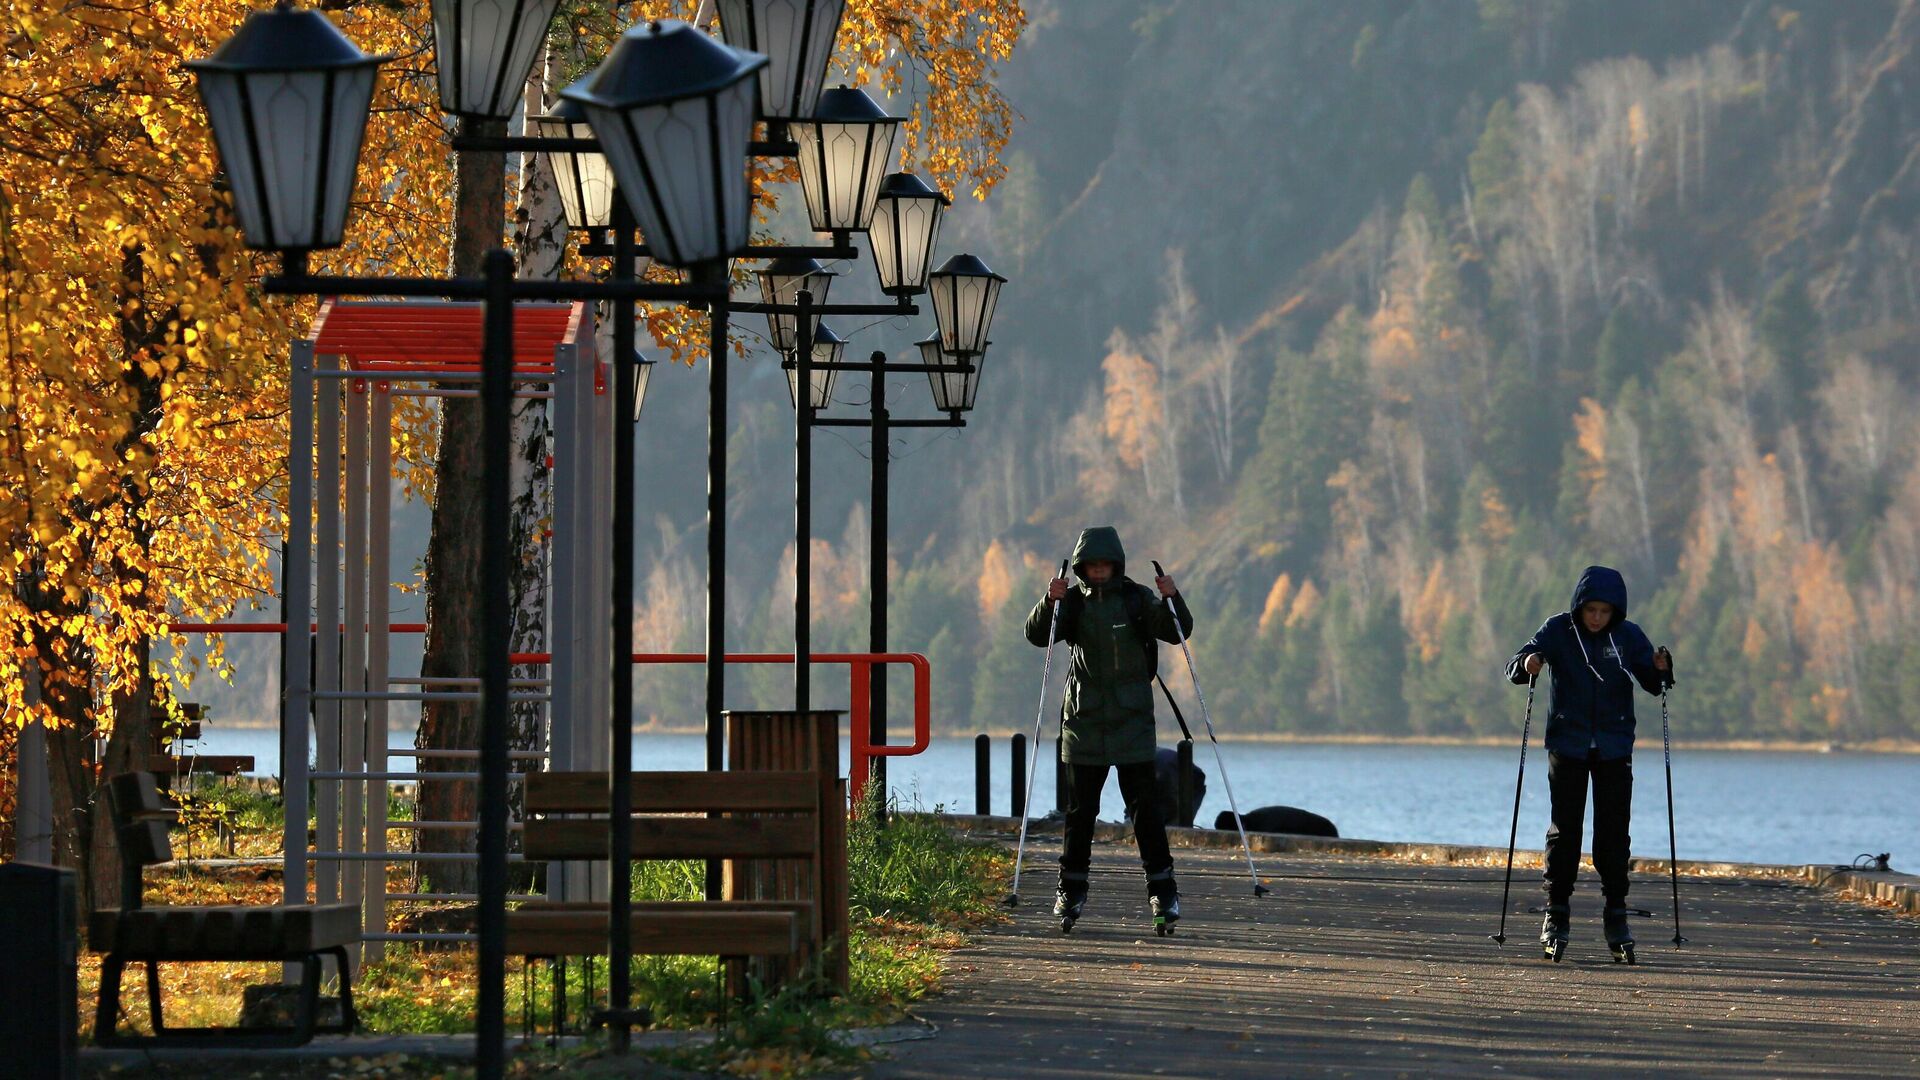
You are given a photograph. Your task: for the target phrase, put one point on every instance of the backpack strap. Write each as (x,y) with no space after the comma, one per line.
(1136,600)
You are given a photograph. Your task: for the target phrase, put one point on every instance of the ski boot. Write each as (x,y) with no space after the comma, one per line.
(1067,907)
(1553,932)
(1619,934)
(1165,907)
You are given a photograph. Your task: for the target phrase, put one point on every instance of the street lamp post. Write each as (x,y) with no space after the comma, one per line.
(288,99)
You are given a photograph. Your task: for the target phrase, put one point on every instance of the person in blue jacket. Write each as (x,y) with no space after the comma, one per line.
(1596,657)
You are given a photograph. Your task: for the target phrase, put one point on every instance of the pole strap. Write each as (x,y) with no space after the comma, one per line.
(1175,706)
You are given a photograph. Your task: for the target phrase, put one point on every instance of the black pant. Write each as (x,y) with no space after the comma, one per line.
(1612,809)
(1149,826)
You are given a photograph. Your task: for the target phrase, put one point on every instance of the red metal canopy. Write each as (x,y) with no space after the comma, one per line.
(425,335)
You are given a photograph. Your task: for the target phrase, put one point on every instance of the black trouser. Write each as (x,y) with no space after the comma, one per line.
(1612,809)
(1149,828)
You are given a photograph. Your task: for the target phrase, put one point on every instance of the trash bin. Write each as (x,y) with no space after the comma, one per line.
(39,971)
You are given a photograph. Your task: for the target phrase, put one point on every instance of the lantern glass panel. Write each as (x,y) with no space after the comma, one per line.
(583,177)
(290,143)
(954,388)
(781,282)
(684,178)
(964,295)
(673,109)
(903,233)
(796,36)
(840,170)
(484,50)
(642,374)
(828,348)
(843,157)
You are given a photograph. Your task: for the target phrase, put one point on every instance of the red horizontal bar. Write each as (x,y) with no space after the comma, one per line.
(275,628)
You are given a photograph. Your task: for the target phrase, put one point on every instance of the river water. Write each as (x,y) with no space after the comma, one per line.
(1750,806)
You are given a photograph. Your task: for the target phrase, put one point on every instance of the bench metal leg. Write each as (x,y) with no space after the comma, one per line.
(349,1020)
(106,1018)
(106,1026)
(154,1015)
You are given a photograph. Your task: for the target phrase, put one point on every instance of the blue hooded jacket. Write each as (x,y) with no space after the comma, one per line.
(1593,674)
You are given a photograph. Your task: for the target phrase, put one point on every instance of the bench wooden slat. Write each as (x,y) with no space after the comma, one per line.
(676,838)
(600,906)
(695,931)
(668,792)
(211,764)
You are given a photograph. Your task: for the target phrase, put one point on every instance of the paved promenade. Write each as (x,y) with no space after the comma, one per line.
(1378,967)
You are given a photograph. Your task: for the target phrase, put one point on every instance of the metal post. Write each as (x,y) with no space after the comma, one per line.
(715,273)
(354,818)
(983,774)
(496,402)
(1019,774)
(296,641)
(379,578)
(803,504)
(564,667)
(326,509)
(620,757)
(880,452)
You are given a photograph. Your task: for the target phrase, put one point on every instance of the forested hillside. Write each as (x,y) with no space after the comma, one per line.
(1377,321)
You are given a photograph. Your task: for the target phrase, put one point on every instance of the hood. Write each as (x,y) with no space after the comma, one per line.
(1605,584)
(1100,542)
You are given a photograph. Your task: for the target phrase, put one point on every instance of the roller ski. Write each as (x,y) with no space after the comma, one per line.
(1619,935)
(1166,913)
(1067,907)
(1553,933)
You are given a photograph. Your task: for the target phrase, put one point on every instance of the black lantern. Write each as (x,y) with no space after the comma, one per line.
(844,148)
(954,387)
(797,38)
(905,227)
(781,282)
(583,176)
(674,112)
(642,373)
(484,49)
(287,97)
(964,293)
(828,347)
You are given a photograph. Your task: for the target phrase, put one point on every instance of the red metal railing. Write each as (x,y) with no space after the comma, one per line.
(861,750)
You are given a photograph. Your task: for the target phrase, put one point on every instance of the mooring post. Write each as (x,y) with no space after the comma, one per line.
(1019,774)
(982,774)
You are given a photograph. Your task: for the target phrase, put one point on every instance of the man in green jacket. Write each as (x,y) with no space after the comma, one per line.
(1111,624)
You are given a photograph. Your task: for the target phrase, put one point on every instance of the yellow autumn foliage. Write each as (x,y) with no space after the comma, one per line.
(143,399)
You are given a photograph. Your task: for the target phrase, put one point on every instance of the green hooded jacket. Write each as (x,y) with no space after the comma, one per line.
(1107,717)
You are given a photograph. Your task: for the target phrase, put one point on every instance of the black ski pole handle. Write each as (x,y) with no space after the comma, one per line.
(1666,677)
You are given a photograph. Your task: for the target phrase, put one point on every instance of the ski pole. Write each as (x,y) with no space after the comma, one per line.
(1666,753)
(1039,714)
(1219,762)
(1513,832)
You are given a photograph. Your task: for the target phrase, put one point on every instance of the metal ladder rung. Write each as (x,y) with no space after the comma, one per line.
(404,777)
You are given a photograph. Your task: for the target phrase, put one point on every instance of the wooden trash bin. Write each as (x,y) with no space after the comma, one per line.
(760,740)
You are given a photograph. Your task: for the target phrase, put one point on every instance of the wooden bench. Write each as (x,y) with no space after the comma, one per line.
(302,934)
(727,928)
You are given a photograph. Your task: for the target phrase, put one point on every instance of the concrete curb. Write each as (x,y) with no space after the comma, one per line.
(351,1048)
(1900,891)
